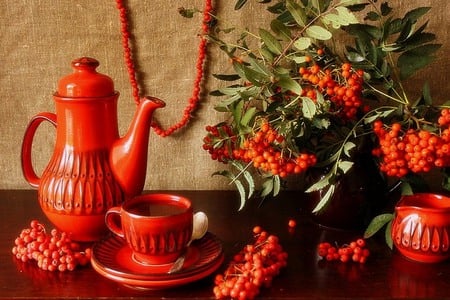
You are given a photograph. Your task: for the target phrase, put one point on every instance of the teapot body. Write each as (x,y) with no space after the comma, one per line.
(77,187)
(91,169)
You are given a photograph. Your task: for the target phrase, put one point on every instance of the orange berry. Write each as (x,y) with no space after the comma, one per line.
(292,223)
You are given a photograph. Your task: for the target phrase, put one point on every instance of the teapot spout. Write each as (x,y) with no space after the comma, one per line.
(128,156)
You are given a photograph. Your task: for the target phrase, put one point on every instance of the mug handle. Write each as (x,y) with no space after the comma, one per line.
(27,166)
(111,217)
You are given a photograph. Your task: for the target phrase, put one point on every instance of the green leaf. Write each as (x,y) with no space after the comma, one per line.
(241,190)
(237,183)
(259,67)
(416,13)
(318,32)
(395,26)
(290,84)
(302,43)
(407,30)
(239,4)
(299,59)
(325,181)
(250,74)
(280,29)
(416,39)
(388,235)
(325,199)
(385,9)
(427,94)
(372,16)
(237,110)
(406,189)
(349,2)
(248,177)
(446,178)
(427,49)
(346,16)
(276,185)
(364,31)
(309,108)
(382,114)
(333,19)
(239,68)
(248,116)
(376,224)
(413,60)
(354,57)
(266,54)
(227,77)
(348,148)
(267,187)
(321,123)
(187,12)
(345,166)
(270,41)
(297,12)
(231,90)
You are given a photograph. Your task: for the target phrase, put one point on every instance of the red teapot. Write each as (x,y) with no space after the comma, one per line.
(92,169)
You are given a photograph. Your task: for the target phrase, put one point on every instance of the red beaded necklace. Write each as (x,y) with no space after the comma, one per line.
(195,97)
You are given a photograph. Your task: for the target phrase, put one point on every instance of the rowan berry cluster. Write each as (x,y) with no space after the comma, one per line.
(253,267)
(220,142)
(414,150)
(54,252)
(263,148)
(342,86)
(356,251)
(444,118)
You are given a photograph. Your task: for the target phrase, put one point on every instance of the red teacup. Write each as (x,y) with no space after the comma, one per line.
(157,227)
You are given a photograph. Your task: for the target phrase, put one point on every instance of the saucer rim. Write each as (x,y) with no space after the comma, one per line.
(158,279)
(142,284)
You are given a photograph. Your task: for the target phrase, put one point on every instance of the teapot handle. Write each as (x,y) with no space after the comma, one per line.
(27,166)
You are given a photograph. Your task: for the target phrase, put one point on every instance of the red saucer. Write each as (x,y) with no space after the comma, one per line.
(113,259)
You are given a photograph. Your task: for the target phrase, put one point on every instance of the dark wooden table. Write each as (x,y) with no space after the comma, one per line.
(385,275)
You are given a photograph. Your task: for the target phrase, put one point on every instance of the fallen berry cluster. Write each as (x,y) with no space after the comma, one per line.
(356,251)
(412,150)
(253,267)
(54,252)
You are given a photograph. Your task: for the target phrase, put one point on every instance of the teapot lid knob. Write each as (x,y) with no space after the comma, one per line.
(85,81)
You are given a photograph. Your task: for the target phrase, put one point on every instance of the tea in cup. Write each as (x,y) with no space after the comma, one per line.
(157,227)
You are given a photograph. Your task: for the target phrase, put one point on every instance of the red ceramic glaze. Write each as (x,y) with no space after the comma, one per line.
(112,258)
(92,169)
(421,227)
(154,239)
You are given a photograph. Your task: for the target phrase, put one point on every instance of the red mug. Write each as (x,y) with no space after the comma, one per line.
(157,227)
(421,227)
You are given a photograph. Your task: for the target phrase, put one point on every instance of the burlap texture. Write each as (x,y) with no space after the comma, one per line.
(40,38)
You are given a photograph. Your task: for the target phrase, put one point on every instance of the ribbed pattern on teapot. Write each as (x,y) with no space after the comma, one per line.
(79,183)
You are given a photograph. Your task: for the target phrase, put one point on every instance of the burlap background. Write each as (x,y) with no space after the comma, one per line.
(40,38)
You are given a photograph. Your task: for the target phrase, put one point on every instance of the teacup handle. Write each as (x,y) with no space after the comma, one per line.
(111,221)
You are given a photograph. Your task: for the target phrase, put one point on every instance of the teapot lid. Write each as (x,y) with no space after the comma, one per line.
(85,81)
